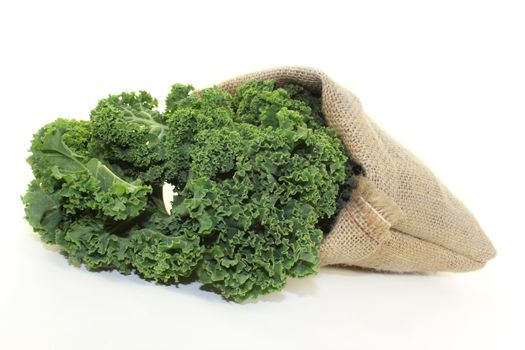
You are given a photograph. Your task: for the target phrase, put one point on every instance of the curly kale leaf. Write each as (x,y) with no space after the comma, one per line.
(97,218)
(43,211)
(163,257)
(262,200)
(88,241)
(129,131)
(256,100)
(187,114)
(84,239)
(82,183)
(260,174)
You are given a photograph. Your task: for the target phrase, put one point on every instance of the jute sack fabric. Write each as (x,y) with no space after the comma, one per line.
(400,218)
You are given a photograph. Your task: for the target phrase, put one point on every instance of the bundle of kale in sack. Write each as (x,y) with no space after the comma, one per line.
(274,174)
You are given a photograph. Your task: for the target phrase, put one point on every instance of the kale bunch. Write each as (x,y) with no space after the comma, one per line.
(257,179)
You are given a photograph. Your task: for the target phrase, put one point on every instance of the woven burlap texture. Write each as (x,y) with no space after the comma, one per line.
(401,218)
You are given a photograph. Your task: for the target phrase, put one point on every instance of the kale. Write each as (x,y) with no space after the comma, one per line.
(258,178)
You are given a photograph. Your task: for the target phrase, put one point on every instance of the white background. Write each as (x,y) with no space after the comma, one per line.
(446,78)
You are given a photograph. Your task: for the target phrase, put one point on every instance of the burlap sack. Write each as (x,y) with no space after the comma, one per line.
(401,218)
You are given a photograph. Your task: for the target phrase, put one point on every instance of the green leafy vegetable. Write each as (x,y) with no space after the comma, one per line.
(258,177)
(129,131)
